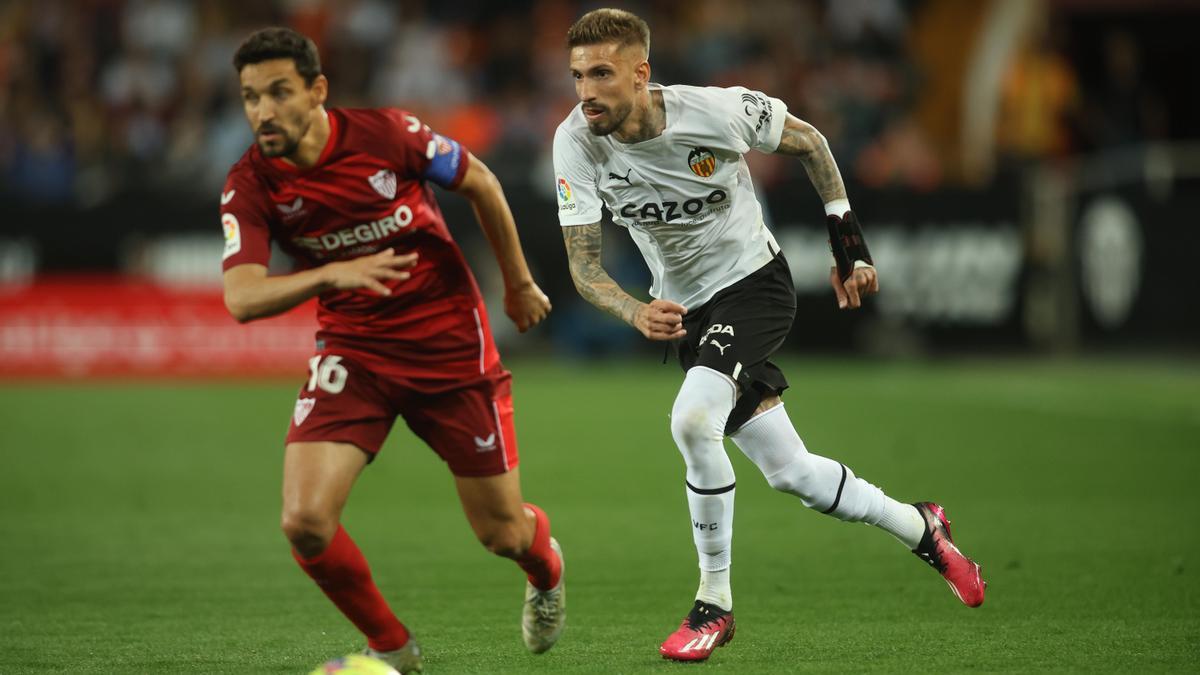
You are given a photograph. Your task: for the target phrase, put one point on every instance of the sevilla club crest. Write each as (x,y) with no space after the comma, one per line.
(702,162)
(303,407)
(384,182)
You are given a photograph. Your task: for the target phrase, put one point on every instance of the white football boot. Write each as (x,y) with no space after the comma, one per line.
(406,660)
(545,612)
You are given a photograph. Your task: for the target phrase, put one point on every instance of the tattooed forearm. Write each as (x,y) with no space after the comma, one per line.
(801,139)
(593,283)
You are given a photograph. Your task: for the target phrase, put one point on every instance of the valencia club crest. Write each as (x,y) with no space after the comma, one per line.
(702,162)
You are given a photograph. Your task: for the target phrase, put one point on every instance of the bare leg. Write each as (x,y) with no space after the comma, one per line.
(509,527)
(497,513)
(317,478)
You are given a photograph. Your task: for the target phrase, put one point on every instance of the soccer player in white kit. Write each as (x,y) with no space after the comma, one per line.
(668,164)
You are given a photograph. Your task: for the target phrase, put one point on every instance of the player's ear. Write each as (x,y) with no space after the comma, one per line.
(319,90)
(641,74)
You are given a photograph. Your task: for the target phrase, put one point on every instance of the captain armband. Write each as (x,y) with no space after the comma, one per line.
(847,244)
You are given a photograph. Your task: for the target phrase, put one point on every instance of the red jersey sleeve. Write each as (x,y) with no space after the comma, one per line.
(424,154)
(245,222)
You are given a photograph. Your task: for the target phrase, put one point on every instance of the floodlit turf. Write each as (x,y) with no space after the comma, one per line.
(138,527)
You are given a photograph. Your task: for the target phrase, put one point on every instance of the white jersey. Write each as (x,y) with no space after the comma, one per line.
(685,196)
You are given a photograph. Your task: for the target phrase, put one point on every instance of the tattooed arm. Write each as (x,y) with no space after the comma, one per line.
(658,320)
(801,139)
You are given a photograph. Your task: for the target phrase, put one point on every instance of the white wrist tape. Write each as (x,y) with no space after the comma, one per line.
(837,207)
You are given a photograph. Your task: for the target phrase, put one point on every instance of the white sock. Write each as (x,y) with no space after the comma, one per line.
(712,532)
(698,426)
(902,521)
(822,484)
(714,588)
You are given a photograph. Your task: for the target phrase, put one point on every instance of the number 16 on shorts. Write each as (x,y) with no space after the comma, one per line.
(341,402)
(327,372)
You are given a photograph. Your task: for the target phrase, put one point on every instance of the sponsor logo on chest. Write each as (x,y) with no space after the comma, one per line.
(360,236)
(668,210)
(357,235)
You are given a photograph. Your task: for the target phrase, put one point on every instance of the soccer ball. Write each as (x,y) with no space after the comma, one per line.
(355,664)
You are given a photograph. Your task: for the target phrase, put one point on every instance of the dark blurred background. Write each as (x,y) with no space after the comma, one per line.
(1026,170)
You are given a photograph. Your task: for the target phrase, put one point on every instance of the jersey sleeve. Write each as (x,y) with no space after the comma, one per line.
(245,223)
(574,182)
(755,119)
(426,155)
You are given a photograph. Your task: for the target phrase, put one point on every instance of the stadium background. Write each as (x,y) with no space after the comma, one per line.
(1027,173)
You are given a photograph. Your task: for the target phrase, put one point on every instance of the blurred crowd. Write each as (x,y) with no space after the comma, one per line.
(102,96)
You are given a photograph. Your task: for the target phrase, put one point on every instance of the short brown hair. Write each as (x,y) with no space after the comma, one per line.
(609,25)
(280,43)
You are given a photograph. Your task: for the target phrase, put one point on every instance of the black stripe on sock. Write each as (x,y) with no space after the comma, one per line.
(837,500)
(715,491)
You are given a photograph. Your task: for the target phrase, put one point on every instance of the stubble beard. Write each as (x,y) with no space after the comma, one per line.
(285,149)
(289,146)
(617,117)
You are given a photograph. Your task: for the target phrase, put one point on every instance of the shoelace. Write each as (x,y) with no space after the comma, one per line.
(545,608)
(933,560)
(932,554)
(700,617)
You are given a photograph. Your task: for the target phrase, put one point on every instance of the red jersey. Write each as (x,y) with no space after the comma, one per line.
(369,191)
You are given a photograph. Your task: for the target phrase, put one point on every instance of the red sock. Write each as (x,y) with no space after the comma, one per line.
(540,562)
(342,573)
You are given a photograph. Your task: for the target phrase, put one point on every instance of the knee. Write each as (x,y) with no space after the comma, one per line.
(505,539)
(308,529)
(701,409)
(699,439)
(692,426)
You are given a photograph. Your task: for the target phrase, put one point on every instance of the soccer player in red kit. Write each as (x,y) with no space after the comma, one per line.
(402,326)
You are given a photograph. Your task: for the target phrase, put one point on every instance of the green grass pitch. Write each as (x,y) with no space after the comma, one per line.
(139,530)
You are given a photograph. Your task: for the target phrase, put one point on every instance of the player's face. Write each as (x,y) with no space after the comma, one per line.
(607,79)
(279,106)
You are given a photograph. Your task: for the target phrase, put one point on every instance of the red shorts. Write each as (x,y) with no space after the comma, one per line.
(353,398)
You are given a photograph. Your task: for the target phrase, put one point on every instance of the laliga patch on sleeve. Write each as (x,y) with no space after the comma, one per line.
(233,234)
(566,198)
